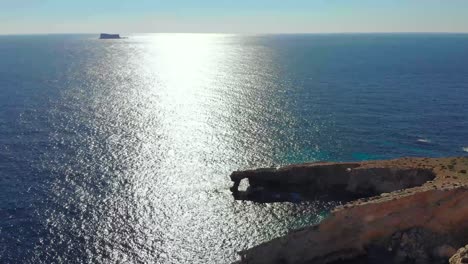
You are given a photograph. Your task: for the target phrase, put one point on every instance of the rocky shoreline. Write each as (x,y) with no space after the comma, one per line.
(408,210)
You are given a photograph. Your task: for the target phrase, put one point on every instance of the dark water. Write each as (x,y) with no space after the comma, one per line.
(119,151)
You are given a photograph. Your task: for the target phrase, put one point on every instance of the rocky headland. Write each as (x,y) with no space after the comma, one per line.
(408,210)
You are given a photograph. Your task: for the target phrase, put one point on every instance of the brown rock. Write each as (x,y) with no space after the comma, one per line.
(347,179)
(461,256)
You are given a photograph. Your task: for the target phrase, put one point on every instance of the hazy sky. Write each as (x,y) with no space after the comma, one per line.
(236,16)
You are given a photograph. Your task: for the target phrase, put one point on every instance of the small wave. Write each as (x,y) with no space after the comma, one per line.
(424,140)
(465,149)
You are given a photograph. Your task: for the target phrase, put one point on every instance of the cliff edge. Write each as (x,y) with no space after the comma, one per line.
(408,210)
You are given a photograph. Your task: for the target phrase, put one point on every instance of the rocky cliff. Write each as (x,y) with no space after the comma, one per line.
(461,256)
(417,211)
(109,36)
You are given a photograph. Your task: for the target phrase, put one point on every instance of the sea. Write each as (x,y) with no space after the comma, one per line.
(120,151)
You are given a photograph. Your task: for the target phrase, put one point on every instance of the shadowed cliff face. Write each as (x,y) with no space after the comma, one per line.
(420,216)
(335,181)
(109,36)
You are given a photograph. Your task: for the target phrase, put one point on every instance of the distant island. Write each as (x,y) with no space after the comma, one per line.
(109,36)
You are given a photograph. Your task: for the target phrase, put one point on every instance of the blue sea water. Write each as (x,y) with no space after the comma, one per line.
(119,151)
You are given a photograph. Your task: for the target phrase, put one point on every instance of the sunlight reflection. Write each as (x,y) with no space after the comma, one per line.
(159,123)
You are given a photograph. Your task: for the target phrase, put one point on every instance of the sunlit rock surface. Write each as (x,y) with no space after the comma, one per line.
(420,216)
(461,256)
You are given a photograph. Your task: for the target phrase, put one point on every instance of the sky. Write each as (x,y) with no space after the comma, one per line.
(232,16)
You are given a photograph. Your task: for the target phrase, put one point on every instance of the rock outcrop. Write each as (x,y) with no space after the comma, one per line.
(419,216)
(109,36)
(346,180)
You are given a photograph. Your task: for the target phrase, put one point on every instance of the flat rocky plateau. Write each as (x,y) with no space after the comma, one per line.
(407,210)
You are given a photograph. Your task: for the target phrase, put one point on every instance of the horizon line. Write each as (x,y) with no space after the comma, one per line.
(242,33)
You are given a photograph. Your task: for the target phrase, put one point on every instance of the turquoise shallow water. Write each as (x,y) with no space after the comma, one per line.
(120,150)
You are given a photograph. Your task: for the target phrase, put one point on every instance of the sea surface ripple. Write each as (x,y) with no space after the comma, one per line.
(119,151)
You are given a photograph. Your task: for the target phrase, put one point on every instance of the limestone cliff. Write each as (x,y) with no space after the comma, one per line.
(420,216)
(461,256)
